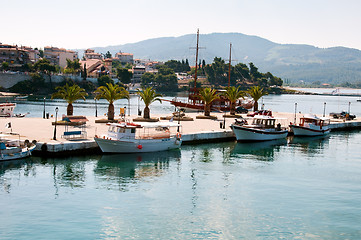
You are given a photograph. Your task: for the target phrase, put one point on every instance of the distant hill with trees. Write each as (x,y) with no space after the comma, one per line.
(294,63)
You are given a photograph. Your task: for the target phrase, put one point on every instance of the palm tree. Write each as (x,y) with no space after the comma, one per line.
(208,95)
(70,94)
(256,93)
(111,92)
(233,94)
(148,95)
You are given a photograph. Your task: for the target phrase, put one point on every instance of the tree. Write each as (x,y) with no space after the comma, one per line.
(208,95)
(5,66)
(84,73)
(217,72)
(33,85)
(233,94)
(44,66)
(108,55)
(111,92)
(256,93)
(72,66)
(147,79)
(148,95)
(124,75)
(104,80)
(70,94)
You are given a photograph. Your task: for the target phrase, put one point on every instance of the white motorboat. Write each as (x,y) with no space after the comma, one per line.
(13,149)
(127,137)
(311,125)
(6,109)
(262,128)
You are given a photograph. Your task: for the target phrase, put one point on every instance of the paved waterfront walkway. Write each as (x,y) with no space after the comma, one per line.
(42,130)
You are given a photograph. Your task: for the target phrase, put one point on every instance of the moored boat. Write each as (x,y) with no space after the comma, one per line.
(7,109)
(262,128)
(127,137)
(14,149)
(311,125)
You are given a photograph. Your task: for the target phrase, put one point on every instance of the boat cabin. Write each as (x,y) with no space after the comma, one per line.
(308,120)
(264,122)
(6,109)
(118,131)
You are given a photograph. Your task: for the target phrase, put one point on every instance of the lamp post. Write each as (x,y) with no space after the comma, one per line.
(44,108)
(324,109)
(56,117)
(129,106)
(96,108)
(295,113)
(349,106)
(139,113)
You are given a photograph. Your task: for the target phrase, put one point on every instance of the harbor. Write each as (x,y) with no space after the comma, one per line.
(193,132)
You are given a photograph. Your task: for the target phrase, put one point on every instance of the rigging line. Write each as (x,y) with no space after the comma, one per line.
(234,54)
(187,52)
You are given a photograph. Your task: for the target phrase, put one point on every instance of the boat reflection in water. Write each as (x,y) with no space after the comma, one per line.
(263,151)
(119,170)
(309,145)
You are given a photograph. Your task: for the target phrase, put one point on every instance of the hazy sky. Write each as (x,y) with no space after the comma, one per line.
(83,24)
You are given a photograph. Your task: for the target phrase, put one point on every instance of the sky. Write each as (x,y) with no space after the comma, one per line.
(75,24)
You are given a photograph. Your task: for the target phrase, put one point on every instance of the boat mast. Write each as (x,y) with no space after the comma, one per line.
(229,65)
(195,74)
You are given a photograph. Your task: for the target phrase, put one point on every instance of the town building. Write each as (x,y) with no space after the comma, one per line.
(91,54)
(58,56)
(124,58)
(138,71)
(34,54)
(96,67)
(14,55)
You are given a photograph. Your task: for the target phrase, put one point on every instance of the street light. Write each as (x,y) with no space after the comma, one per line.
(56,118)
(44,108)
(324,109)
(96,108)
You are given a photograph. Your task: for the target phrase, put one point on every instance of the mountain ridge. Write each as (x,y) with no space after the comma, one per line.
(295,62)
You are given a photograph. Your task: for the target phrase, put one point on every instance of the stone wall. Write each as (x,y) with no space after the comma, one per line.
(8,79)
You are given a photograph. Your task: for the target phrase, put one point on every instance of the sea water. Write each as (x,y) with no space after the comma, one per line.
(299,188)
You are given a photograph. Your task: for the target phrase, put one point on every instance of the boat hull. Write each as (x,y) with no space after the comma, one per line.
(137,145)
(25,152)
(252,134)
(305,131)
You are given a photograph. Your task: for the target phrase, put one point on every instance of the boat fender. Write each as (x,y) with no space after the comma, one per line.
(139,146)
(44,147)
(178,135)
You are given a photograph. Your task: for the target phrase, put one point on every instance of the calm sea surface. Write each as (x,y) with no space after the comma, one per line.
(299,188)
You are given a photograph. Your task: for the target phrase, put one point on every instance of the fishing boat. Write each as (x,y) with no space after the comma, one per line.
(311,125)
(125,137)
(220,104)
(13,149)
(262,128)
(7,109)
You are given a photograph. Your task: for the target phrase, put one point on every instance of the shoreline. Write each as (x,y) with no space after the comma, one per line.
(193,132)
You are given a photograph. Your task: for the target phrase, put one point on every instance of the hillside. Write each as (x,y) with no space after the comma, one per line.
(294,62)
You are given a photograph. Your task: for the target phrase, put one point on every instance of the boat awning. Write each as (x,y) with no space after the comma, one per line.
(158,124)
(75,119)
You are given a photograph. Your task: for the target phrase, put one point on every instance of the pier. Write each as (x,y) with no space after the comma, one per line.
(196,131)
